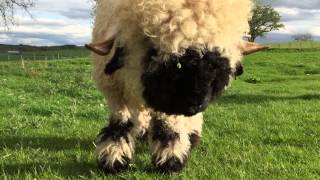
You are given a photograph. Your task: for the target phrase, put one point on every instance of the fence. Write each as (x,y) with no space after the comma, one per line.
(296,45)
(41,61)
(57,56)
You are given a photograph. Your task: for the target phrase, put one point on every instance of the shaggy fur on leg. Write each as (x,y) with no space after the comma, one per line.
(115,146)
(165,140)
(170,141)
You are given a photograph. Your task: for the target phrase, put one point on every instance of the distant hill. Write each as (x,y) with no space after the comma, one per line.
(28,48)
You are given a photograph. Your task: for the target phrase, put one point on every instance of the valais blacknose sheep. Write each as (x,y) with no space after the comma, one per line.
(160,63)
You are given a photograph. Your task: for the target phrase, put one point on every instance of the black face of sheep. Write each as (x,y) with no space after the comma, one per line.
(186,85)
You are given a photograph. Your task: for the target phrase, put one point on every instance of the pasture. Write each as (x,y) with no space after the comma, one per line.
(266,126)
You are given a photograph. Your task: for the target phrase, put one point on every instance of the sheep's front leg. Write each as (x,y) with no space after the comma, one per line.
(171,140)
(115,145)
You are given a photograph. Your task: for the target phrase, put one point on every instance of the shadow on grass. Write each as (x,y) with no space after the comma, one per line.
(70,168)
(47,143)
(276,141)
(255,99)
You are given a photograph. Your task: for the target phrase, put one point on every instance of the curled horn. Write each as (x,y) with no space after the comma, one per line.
(101,48)
(250,48)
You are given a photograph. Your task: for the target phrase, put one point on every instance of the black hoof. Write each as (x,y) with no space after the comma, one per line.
(172,165)
(115,168)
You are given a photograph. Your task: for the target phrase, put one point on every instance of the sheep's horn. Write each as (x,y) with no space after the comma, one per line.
(101,48)
(249,48)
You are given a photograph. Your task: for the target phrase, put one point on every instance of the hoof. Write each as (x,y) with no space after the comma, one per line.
(114,168)
(172,165)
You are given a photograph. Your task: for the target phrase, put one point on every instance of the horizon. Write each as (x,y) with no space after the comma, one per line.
(70,23)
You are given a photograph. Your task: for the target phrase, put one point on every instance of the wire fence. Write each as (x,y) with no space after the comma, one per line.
(58,56)
(81,53)
(27,60)
(12,55)
(296,45)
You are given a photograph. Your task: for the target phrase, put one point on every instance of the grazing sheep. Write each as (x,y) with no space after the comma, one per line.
(160,63)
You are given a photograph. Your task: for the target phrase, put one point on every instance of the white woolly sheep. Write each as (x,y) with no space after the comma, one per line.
(160,63)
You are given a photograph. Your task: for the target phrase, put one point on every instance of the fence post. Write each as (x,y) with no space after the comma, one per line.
(22,62)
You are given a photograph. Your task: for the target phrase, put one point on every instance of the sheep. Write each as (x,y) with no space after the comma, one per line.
(160,64)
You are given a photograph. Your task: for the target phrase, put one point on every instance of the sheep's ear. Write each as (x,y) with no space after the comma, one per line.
(101,48)
(250,48)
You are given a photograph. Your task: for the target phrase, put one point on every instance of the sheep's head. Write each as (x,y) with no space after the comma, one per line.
(195,49)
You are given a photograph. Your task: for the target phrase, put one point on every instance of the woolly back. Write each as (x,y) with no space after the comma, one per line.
(174,25)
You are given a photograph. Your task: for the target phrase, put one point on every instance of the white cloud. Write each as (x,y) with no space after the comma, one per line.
(53,23)
(315,31)
(287,11)
(58,22)
(297,16)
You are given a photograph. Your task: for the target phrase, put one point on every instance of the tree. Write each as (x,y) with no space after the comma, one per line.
(265,19)
(303,37)
(8,9)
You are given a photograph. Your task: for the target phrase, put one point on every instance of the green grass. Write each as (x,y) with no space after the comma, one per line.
(266,126)
(296,45)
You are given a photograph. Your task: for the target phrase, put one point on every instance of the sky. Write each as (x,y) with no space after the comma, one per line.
(59,22)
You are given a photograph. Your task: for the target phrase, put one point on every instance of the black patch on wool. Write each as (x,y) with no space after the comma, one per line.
(115,168)
(116,130)
(116,62)
(194,140)
(163,133)
(172,165)
(187,84)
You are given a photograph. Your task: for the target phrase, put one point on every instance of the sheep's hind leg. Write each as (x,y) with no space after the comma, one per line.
(171,140)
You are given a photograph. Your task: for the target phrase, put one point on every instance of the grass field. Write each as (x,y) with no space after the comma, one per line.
(266,126)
